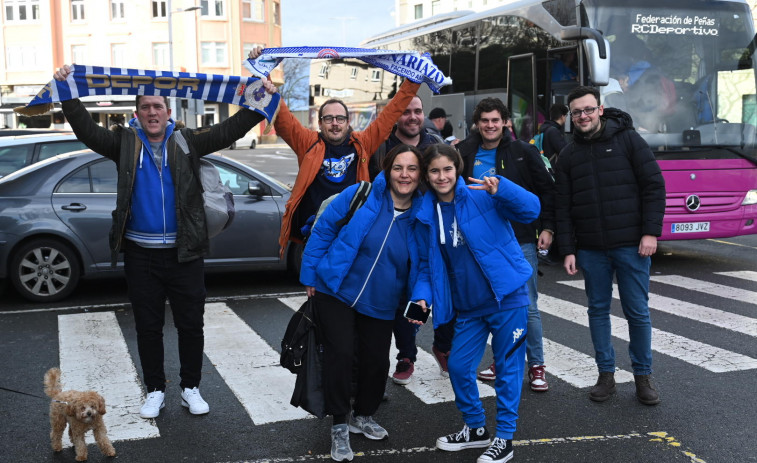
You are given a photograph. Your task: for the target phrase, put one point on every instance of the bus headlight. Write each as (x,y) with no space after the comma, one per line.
(751,198)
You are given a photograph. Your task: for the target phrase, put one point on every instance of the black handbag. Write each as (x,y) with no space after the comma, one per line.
(302,353)
(294,343)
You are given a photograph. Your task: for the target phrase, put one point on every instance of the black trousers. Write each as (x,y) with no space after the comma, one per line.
(154,275)
(341,326)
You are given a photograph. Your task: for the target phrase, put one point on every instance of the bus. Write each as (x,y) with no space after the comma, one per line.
(683,69)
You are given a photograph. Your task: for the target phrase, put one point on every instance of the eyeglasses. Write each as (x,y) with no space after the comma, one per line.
(576,113)
(330,119)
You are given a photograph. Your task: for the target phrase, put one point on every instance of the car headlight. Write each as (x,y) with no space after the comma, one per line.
(751,198)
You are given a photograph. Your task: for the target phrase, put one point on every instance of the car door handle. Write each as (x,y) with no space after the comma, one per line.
(74,207)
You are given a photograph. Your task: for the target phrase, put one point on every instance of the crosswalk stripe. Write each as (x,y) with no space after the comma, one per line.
(707,287)
(427,382)
(700,313)
(575,367)
(249,366)
(694,352)
(744,275)
(94,356)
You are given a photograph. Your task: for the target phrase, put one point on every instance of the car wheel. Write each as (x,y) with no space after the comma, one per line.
(45,270)
(253,144)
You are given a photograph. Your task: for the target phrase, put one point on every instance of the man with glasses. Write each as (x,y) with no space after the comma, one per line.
(331,159)
(609,209)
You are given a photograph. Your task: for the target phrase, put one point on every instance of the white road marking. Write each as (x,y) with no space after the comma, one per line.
(696,312)
(707,287)
(575,367)
(94,356)
(249,366)
(696,353)
(744,275)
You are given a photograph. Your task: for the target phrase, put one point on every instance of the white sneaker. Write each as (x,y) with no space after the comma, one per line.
(192,399)
(153,403)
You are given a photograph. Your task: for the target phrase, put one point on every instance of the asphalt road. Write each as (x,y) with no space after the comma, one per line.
(704,308)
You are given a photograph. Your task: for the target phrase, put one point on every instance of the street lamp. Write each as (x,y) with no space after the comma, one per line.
(170,50)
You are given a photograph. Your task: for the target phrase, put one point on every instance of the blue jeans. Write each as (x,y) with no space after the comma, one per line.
(632,274)
(534,345)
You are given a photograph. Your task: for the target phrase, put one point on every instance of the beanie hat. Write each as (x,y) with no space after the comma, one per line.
(437,112)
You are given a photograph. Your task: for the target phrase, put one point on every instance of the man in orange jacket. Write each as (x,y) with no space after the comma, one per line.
(333,158)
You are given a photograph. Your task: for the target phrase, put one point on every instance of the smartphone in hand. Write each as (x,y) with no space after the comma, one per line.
(415,312)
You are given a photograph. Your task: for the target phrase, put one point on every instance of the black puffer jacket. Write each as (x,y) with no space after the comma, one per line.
(554,140)
(610,190)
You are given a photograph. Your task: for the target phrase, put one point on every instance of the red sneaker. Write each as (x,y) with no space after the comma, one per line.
(441,358)
(536,378)
(490,374)
(403,372)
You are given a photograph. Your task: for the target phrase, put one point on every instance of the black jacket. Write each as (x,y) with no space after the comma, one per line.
(124,147)
(554,140)
(610,190)
(374,165)
(522,165)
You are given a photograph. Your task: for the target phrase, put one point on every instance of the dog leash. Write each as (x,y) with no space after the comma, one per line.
(31,395)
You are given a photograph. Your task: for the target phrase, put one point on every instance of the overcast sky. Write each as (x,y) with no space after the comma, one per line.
(319,23)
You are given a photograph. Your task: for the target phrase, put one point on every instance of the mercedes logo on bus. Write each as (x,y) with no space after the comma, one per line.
(693,202)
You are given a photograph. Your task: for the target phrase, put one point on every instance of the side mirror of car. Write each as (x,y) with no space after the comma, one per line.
(255,188)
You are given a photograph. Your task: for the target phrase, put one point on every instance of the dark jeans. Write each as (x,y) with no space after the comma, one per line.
(405,332)
(340,326)
(154,275)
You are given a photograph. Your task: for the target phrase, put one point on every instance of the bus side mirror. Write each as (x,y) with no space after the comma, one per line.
(599,68)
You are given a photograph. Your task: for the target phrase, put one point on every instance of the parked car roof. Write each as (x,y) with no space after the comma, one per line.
(17,151)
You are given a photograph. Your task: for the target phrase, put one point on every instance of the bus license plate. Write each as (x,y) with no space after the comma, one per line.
(691,227)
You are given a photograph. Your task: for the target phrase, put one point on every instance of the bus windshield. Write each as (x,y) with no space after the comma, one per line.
(685,72)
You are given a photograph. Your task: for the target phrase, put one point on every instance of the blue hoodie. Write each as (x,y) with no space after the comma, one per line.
(366,264)
(153,196)
(484,222)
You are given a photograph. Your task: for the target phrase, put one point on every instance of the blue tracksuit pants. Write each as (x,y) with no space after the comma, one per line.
(508,330)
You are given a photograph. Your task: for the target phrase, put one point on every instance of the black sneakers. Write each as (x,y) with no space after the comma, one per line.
(466,439)
(500,451)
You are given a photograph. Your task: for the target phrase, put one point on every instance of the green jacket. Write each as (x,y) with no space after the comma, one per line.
(124,147)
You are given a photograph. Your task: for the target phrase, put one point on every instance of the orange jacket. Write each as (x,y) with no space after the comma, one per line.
(310,148)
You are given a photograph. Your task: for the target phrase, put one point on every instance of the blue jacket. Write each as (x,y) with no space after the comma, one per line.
(483,219)
(355,264)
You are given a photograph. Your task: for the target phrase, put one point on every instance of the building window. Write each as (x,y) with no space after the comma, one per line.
(214,54)
(77,10)
(118,55)
(161,57)
(418,11)
(324,72)
(375,75)
(253,10)
(436,7)
(159,9)
(117,9)
(21,57)
(21,10)
(79,54)
(212,8)
(277,14)
(353,73)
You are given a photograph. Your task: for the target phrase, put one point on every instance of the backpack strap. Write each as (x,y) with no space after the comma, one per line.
(358,199)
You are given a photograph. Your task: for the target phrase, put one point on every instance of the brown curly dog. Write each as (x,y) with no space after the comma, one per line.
(82,411)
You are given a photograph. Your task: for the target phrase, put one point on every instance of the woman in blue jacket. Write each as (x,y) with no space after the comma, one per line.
(471,266)
(358,274)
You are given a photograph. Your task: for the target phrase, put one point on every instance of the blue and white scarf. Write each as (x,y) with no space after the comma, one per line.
(412,65)
(97,80)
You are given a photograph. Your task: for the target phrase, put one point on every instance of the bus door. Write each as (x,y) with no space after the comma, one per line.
(563,71)
(521,95)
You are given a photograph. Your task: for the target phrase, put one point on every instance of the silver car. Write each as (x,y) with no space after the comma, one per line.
(55,217)
(17,151)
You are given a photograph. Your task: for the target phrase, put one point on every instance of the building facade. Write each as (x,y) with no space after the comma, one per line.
(206,36)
